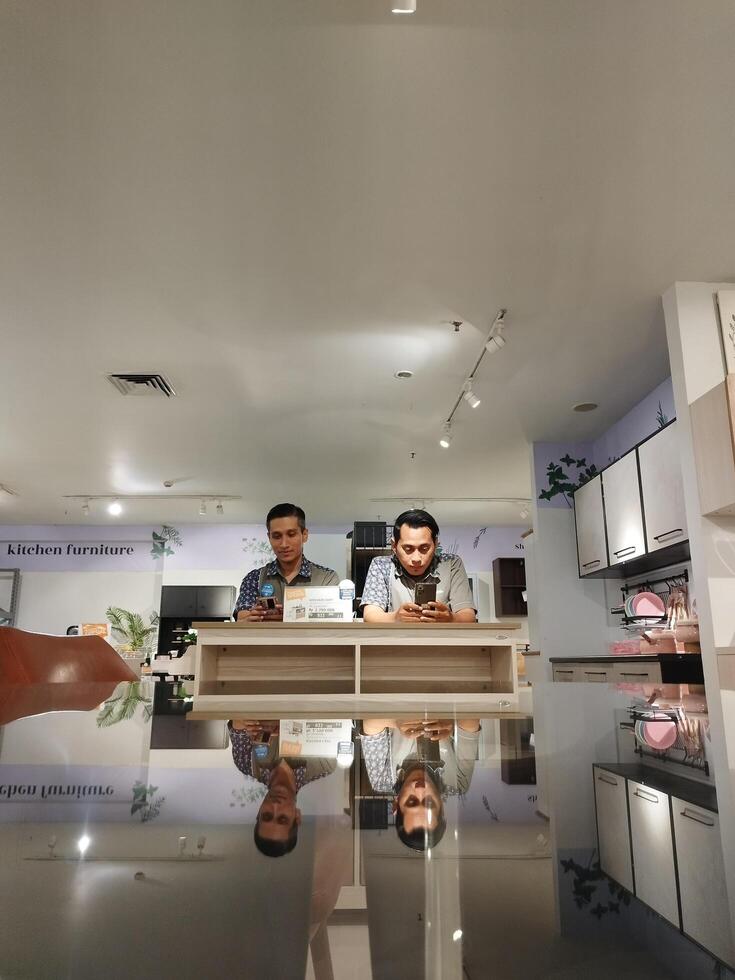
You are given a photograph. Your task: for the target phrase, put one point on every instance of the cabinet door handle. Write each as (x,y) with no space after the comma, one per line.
(697,817)
(609,780)
(648,797)
(668,534)
(632,673)
(626,551)
(589,564)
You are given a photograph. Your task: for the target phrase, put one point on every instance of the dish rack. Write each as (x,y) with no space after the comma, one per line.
(637,623)
(678,752)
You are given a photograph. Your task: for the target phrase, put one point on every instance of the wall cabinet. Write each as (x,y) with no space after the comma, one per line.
(662,489)
(612,827)
(713,435)
(704,907)
(653,850)
(631,517)
(590,517)
(623,510)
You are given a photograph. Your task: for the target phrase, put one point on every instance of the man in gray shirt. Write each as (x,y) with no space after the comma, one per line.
(391,580)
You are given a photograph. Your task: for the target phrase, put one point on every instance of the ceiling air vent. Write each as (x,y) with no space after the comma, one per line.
(142,384)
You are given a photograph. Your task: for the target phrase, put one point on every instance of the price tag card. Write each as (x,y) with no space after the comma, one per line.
(315,605)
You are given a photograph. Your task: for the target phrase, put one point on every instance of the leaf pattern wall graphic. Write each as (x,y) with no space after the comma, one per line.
(560,482)
(661,417)
(163,539)
(258,550)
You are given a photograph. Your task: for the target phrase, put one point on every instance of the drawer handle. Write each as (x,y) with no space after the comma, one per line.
(589,564)
(697,818)
(559,671)
(626,551)
(632,673)
(609,780)
(596,673)
(648,797)
(668,534)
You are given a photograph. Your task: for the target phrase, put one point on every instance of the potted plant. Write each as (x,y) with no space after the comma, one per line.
(135,639)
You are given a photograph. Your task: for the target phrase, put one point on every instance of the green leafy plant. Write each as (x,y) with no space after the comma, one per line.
(560,482)
(145,802)
(129,629)
(661,416)
(126,698)
(162,541)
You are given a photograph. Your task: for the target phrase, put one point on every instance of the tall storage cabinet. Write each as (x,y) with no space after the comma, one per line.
(663,489)
(623,511)
(590,517)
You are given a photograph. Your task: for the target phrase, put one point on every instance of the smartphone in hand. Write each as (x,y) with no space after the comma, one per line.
(425,593)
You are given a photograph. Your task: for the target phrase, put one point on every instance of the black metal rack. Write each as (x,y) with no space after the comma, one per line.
(649,585)
(682,756)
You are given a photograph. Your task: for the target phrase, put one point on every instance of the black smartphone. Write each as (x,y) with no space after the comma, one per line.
(425,593)
(267,601)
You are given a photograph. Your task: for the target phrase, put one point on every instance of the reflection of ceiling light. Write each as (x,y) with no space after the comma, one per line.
(524,512)
(220,508)
(203,508)
(404,7)
(469,396)
(446,439)
(83,844)
(115,508)
(584,407)
(457,935)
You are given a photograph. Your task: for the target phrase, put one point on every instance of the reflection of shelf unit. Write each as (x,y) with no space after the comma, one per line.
(354,670)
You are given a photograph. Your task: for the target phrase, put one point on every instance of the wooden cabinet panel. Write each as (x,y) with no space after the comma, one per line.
(623,512)
(612,827)
(590,520)
(653,850)
(663,489)
(705,912)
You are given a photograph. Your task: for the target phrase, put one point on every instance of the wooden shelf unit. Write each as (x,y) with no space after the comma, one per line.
(353,670)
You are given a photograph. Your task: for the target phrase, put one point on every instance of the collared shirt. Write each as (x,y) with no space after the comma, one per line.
(309,574)
(304,770)
(390,752)
(388,585)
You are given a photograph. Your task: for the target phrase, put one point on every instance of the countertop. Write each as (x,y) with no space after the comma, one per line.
(689,790)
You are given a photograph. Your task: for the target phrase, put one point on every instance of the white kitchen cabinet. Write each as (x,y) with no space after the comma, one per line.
(653,850)
(663,489)
(705,911)
(623,512)
(612,827)
(590,518)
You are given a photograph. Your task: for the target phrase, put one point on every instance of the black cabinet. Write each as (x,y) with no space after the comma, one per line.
(509,584)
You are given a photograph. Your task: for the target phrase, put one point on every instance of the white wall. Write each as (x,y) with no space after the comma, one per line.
(52,601)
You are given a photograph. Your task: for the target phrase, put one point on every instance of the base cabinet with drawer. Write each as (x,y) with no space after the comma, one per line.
(705,914)
(653,850)
(666,850)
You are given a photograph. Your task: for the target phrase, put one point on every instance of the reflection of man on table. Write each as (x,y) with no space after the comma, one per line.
(421,763)
(256,753)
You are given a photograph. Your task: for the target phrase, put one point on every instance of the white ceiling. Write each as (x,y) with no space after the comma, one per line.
(277,203)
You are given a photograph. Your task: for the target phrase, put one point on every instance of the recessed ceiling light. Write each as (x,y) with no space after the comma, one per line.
(584,407)
(403,375)
(115,508)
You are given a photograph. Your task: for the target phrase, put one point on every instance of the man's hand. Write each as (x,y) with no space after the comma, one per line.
(259,614)
(254,728)
(438,730)
(411,729)
(436,612)
(409,612)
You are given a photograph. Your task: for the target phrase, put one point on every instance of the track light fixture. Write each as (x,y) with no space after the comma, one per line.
(220,508)
(85,508)
(469,396)
(203,508)
(446,437)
